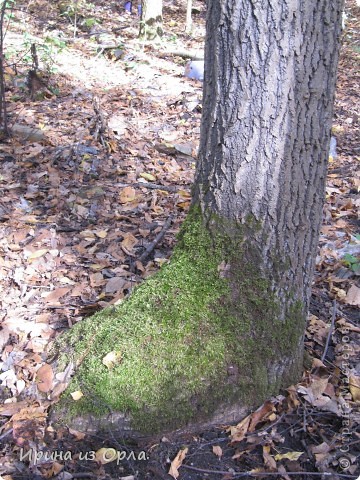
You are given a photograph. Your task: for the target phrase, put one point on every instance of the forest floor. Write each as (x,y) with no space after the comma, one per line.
(105,132)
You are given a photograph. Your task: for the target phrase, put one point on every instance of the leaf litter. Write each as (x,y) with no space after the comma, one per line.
(88,181)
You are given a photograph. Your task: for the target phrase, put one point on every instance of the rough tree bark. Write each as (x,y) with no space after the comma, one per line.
(268,98)
(151,23)
(221,327)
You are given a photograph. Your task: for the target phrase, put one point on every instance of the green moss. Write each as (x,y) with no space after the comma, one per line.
(177,334)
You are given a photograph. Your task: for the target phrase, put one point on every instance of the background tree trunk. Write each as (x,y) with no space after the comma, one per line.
(188,26)
(151,23)
(3,110)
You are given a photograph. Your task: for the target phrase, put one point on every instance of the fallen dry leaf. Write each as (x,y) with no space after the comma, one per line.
(66,281)
(78,435)
(318,328)
(45,377)
(240,453)
(127,195)
(353,296)
(318,386)
(78,290)
(112,359)
(354,385)
(56,294)
(288,456)
(77,395)
(88,235)
(321,452)
(37,254)
(54,470)
(129,242)
(238,432)
(9,409)
(4,336)
(293,397)
(217,450)
(115,284)
(97,279)
(177,462)
(261,414)
(282,471)
(315,390)
(339,292)
(63,379)
(30,413)
(148,176)
(268,459)
(101,233)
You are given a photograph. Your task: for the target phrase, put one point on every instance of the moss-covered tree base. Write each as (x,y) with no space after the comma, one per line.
(202,337)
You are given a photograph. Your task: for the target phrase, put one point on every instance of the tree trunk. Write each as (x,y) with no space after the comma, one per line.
(268,99)
(151,23)
(221,327)
(3,111)
(188,26)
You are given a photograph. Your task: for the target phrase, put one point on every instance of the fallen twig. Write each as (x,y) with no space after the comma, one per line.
(154,186)
(157,239)
(268,474)
(330,332)
(182,53)
(84,475)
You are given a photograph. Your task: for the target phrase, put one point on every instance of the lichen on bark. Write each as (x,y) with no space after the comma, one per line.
(201,335)
(151,23)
